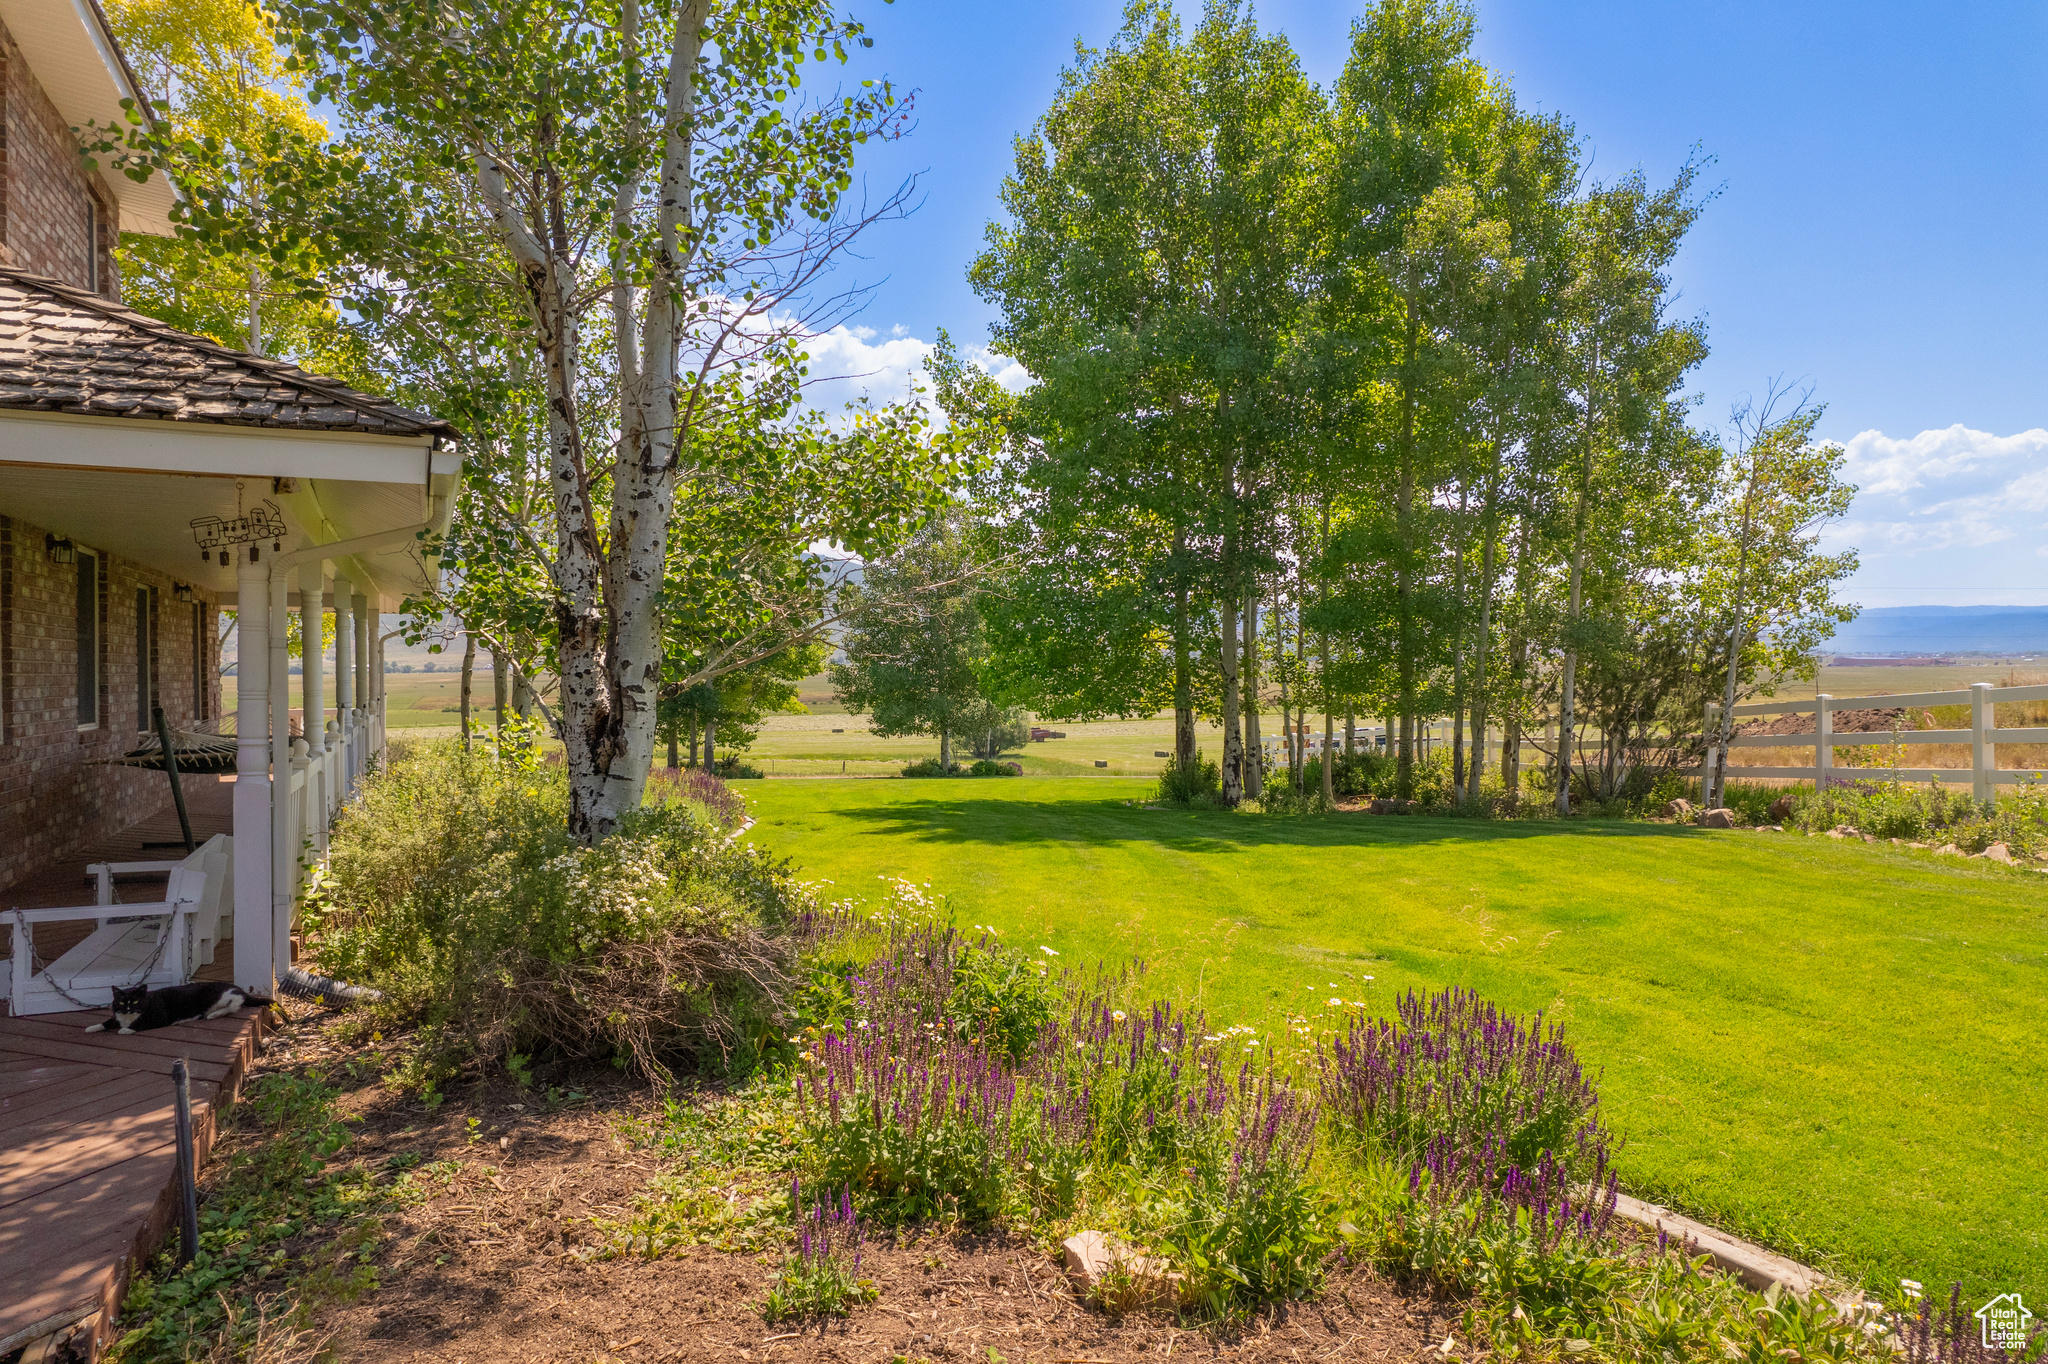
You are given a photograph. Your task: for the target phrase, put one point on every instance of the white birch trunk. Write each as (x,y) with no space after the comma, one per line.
(606,594)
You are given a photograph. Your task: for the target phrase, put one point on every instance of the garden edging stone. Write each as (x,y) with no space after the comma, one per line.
(1755,1266)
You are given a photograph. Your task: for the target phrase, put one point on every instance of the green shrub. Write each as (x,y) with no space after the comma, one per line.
(1001,997)
(1366,772)
(930,767)
(1199,784)
(732,769)
(453,886)
(1931,813)
(989,767)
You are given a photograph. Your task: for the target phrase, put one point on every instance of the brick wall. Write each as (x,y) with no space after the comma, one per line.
(56,218)
(52,801)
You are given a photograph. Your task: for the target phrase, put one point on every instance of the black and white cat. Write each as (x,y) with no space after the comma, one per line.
(139,1008)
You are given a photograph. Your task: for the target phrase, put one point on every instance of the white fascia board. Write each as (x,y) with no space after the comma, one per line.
(188,447)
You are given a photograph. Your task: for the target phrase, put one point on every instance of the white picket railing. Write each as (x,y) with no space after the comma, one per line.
(321,785)
(1983,736)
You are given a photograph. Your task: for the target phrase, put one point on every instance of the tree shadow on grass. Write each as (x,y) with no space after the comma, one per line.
(1103,823)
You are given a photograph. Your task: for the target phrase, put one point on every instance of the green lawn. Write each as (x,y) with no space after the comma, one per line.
(1835,1047)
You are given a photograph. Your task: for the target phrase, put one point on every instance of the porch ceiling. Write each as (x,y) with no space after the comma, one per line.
(146,516)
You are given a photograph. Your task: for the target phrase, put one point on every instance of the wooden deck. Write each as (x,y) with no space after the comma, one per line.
(88,1158)
(87,1152)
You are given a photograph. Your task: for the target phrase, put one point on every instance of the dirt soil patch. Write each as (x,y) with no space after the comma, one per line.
(505,1262)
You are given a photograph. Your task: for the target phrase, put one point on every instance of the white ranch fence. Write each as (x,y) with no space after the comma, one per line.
(1983,736)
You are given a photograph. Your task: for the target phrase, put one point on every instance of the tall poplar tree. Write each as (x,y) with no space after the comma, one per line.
(1149,275)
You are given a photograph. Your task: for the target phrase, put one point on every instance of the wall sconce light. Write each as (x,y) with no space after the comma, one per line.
(60,551)
(181,592)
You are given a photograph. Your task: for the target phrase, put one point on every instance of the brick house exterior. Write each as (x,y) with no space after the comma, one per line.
(56,218)
(150,648)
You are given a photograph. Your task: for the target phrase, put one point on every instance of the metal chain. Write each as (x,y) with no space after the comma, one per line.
(37,966)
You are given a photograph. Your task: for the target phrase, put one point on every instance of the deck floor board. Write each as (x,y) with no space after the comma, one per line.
(105,1086)
(87,1155)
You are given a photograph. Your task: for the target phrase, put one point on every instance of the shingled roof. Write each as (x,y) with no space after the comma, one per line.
(66,350)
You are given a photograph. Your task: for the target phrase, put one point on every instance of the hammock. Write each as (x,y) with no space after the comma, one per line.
(196,753)
(188,751)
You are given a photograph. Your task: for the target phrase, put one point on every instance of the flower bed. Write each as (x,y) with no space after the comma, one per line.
(957,1079)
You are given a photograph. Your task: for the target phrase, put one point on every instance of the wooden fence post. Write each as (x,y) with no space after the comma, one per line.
(1823,742)
(1983,756)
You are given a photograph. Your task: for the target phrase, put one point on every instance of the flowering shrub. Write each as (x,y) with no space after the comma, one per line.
(724,805)
(913,1118)
(969,1081)
(1454,1085)
(454,887)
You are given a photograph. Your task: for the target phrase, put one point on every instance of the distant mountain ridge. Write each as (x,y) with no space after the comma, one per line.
(1944,629)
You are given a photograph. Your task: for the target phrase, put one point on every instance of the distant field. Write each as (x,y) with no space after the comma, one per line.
(804,745)
(414,700)
(1840,682)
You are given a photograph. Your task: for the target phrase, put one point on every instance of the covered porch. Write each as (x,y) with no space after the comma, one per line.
(242,483)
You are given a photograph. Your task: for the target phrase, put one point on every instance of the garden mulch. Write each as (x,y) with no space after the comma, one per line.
(503,1265)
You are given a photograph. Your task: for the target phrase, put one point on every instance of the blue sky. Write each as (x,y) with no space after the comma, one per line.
(1880,230)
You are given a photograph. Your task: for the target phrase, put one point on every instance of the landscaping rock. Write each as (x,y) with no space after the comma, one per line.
(1718,819)
(1998,852)
(1677,809)
(1836,833)
(1104,1268)
(1949,850)
(1781,809)
(1386,805)
(1755,1266)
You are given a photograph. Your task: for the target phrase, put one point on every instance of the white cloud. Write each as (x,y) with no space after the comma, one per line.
(1957,458)
(847,362)
(1944,517)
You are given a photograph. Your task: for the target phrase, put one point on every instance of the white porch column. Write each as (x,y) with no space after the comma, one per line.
(344,680)
(365,620)
(284,827)
(313,657)
(252,778)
